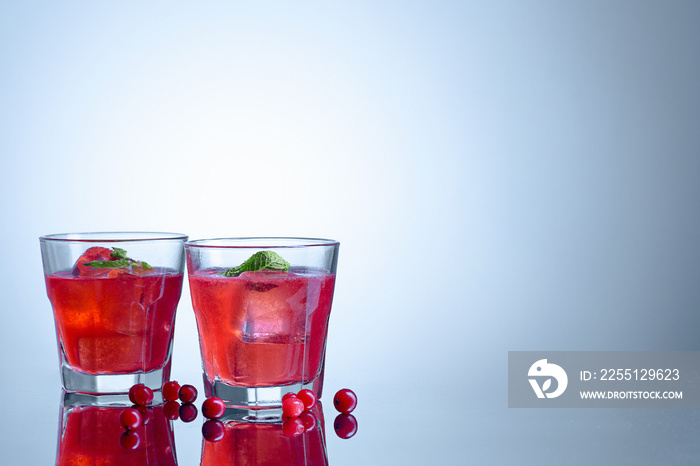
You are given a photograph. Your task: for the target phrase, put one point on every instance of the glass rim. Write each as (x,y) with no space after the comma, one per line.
(261,242)
(113,237)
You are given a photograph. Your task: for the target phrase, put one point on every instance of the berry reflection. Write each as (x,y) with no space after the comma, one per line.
(345,425)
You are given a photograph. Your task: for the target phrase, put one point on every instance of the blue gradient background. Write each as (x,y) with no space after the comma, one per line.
(501,176)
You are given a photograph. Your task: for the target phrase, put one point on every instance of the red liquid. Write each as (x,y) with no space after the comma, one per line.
(248,443)
(91,436)
(262,328)
(122,324)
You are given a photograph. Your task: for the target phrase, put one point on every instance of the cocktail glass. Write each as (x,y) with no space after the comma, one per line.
(262,331)
(114,297)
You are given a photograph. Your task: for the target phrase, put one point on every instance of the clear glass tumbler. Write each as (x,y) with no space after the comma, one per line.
(262,307)
(114,297)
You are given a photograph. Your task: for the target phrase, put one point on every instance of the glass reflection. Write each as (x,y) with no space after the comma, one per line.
(90,433)
(262,437)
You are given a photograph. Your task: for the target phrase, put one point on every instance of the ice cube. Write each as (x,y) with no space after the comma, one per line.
(110,354)
(120,308)
(269,313)
(152,289)
(131,320)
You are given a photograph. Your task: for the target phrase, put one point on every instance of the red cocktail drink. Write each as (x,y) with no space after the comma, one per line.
(116,325)
(262,328)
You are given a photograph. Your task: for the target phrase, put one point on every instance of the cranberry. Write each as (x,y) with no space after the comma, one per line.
(188,394)
(213,408)
(130,440)
(171,410)
(292,407)
(142,395)
(213,430)
(188,412)
(130,418)
(171,391)
(146,413)
(345,401)
(308,397)
(309,420)
(293,427)
(345,425)
(288,395)
(132,391)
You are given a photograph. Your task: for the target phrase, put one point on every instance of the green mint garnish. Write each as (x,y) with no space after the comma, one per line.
(109,264)
(120,260)
(261,260)
(118,253)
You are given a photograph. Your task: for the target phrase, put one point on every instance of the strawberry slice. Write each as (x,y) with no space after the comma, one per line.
(93,254)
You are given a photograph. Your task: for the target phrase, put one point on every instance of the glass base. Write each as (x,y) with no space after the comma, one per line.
(72,399)
(254,398)
(74,381)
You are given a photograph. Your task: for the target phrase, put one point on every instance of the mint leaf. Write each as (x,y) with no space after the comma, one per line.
(120,261)
(261,260)
(118,253)
(109,264)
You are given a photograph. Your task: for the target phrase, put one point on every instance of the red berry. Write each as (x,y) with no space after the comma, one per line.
(130,440)
(142,395)
(171,391)
(130,418)
(345,401)
(132,391)
(92,254)
(309,420)
(308,397)
(292,407)
(213,430)
(213,408)
(345,426)
(188,394)
(288,395)
(171,410)
(293,427)
(188,412)
(146,413)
